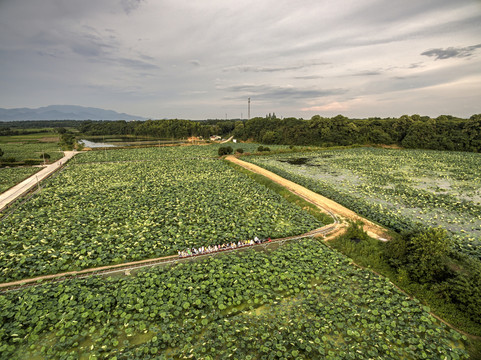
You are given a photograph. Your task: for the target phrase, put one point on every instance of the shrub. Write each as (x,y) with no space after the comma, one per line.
(423,253)
(240,151)
(32,162)
(225,150)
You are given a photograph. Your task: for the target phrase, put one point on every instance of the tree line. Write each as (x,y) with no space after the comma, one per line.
(162,129)
(415,131)
(442,133)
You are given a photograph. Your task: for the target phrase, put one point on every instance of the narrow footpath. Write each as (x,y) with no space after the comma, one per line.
(20,189)
(226,141)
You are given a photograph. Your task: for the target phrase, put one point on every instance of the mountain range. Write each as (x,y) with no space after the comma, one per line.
(64,112)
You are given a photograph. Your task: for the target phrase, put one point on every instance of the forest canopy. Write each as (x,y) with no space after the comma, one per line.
(442,133)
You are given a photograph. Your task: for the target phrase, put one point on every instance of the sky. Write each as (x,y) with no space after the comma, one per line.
(204,59)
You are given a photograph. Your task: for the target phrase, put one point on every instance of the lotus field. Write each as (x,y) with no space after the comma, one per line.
(160,201)
(25,150)
(146,154)
(174,152)
(397,188)
(11,176)
(299,301)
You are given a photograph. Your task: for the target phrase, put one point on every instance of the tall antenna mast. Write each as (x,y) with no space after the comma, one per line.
(248,108)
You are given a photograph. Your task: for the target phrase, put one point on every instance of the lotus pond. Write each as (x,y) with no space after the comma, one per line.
(164,200)
(173,152)
(396,188)
(12,176)
(300,301)
(25,150)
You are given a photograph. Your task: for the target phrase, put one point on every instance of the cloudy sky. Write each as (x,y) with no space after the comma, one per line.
(203,59)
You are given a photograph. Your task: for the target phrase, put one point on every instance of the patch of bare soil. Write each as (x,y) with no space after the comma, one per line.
(392,146)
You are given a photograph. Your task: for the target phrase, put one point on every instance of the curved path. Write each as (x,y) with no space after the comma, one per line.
(20,189)
(227,140)
(320,201)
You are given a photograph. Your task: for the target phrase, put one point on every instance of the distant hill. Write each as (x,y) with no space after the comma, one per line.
(64,112)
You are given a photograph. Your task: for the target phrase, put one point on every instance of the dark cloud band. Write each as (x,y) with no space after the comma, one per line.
(451,52)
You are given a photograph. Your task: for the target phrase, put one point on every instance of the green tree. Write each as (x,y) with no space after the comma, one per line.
(423,254)
(421,134)
(401,127)
(270,137)
(428,252)
(225,150)
(67,141)
(239,129)
(45,156)
(379,136)
(472,131)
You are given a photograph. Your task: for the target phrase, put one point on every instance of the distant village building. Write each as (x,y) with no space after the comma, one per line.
(194,139)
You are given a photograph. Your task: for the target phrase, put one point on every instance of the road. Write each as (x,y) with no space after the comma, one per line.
(21,188)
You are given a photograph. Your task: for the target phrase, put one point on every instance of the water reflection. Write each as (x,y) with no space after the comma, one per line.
(92,144)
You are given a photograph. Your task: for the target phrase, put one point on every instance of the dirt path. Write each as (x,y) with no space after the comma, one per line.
(322,202)
(21,188)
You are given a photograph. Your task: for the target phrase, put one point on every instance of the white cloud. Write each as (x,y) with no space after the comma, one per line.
(170,58)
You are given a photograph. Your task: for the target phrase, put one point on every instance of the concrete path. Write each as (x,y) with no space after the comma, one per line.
(21,188)
(226,141)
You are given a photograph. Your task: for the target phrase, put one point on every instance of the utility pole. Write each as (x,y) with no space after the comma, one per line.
(248,108)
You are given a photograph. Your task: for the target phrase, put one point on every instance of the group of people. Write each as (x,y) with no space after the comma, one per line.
(215,248)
